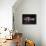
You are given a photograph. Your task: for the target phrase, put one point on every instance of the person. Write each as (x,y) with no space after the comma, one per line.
(29,43)
(18,40)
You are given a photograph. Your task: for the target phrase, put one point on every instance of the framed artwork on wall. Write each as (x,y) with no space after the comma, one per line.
(28,18)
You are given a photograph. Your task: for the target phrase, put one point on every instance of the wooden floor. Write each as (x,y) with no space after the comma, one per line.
(9,43)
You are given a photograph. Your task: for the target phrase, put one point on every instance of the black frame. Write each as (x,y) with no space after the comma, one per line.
(28,18)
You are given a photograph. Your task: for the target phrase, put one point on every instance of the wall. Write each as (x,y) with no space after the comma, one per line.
(6,13)
(29,31)
(43,22)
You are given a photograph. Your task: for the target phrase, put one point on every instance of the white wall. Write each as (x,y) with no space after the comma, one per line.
(30,31)
(6,13)
(43,22)
(34,32)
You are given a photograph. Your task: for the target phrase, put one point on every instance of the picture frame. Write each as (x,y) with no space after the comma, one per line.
(28,18)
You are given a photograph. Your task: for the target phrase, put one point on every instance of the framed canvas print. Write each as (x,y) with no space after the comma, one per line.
(28,18)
